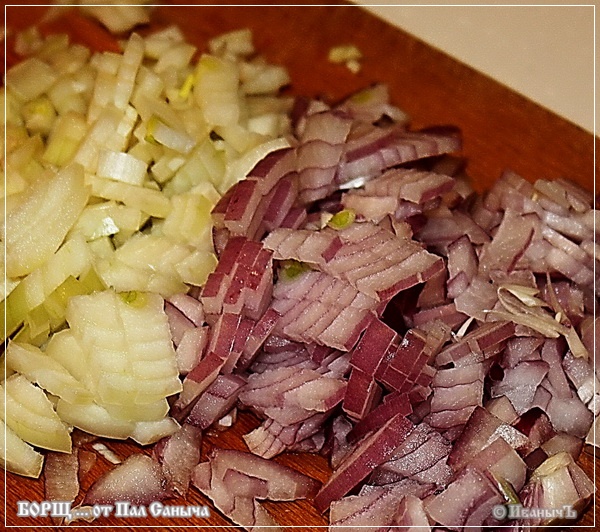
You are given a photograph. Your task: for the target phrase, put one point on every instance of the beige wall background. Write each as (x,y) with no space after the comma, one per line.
(545,52)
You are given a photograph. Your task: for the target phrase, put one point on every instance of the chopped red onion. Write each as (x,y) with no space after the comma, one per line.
(178,454)
(558,482)
(290,395)
(216,401)
(520,383)
(371,511)
(481,429)
(392,405)
(139,480)
(411,515)
(421,456)
(61,476)
(478,345)
(467,501)
(417,346)
(234,480)
(369,453)
(457,392)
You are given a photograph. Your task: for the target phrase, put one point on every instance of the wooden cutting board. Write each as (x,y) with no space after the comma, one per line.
(501,130)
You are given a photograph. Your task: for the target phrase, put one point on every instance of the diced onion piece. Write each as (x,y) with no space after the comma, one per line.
(108,218)
(64,348)
(238,137)
(262,78)
(30,414)
(267,124)
(216,90)
(242,166)
(146,199)
(160,41)
(66,134)
(25,174)
(110,131)
(166,166)
(121,166)
(353,65)
(35,229)
(205,165)
(348,54)
(29,41)
(39,115)
(72,259)
(61,476)
(94,419)
(116,18)
(18,456)
(146,413)
(46,372)
(30,78)
(139,480)
(50,315)
(148,432)
(8,286)
(195,269)
(176,57)
(107,453)
(127,344)
(236,43)
(343,53)
(190,221)
(557,483)
(130,63)
(160,133)
(147,262)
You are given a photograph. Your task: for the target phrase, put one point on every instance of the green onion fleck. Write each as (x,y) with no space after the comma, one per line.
(134,298)
(507,490)
(342,219)
(187,86)
(290,269)
(151,126)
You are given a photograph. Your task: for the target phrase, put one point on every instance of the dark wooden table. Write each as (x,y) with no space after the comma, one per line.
(501,130)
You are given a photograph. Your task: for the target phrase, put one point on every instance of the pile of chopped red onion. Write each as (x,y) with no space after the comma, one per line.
(434,344)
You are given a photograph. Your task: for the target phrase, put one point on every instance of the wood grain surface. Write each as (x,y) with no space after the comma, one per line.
(501,129)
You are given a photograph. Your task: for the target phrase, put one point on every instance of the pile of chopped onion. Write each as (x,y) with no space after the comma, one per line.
(114,162)
(212,248)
